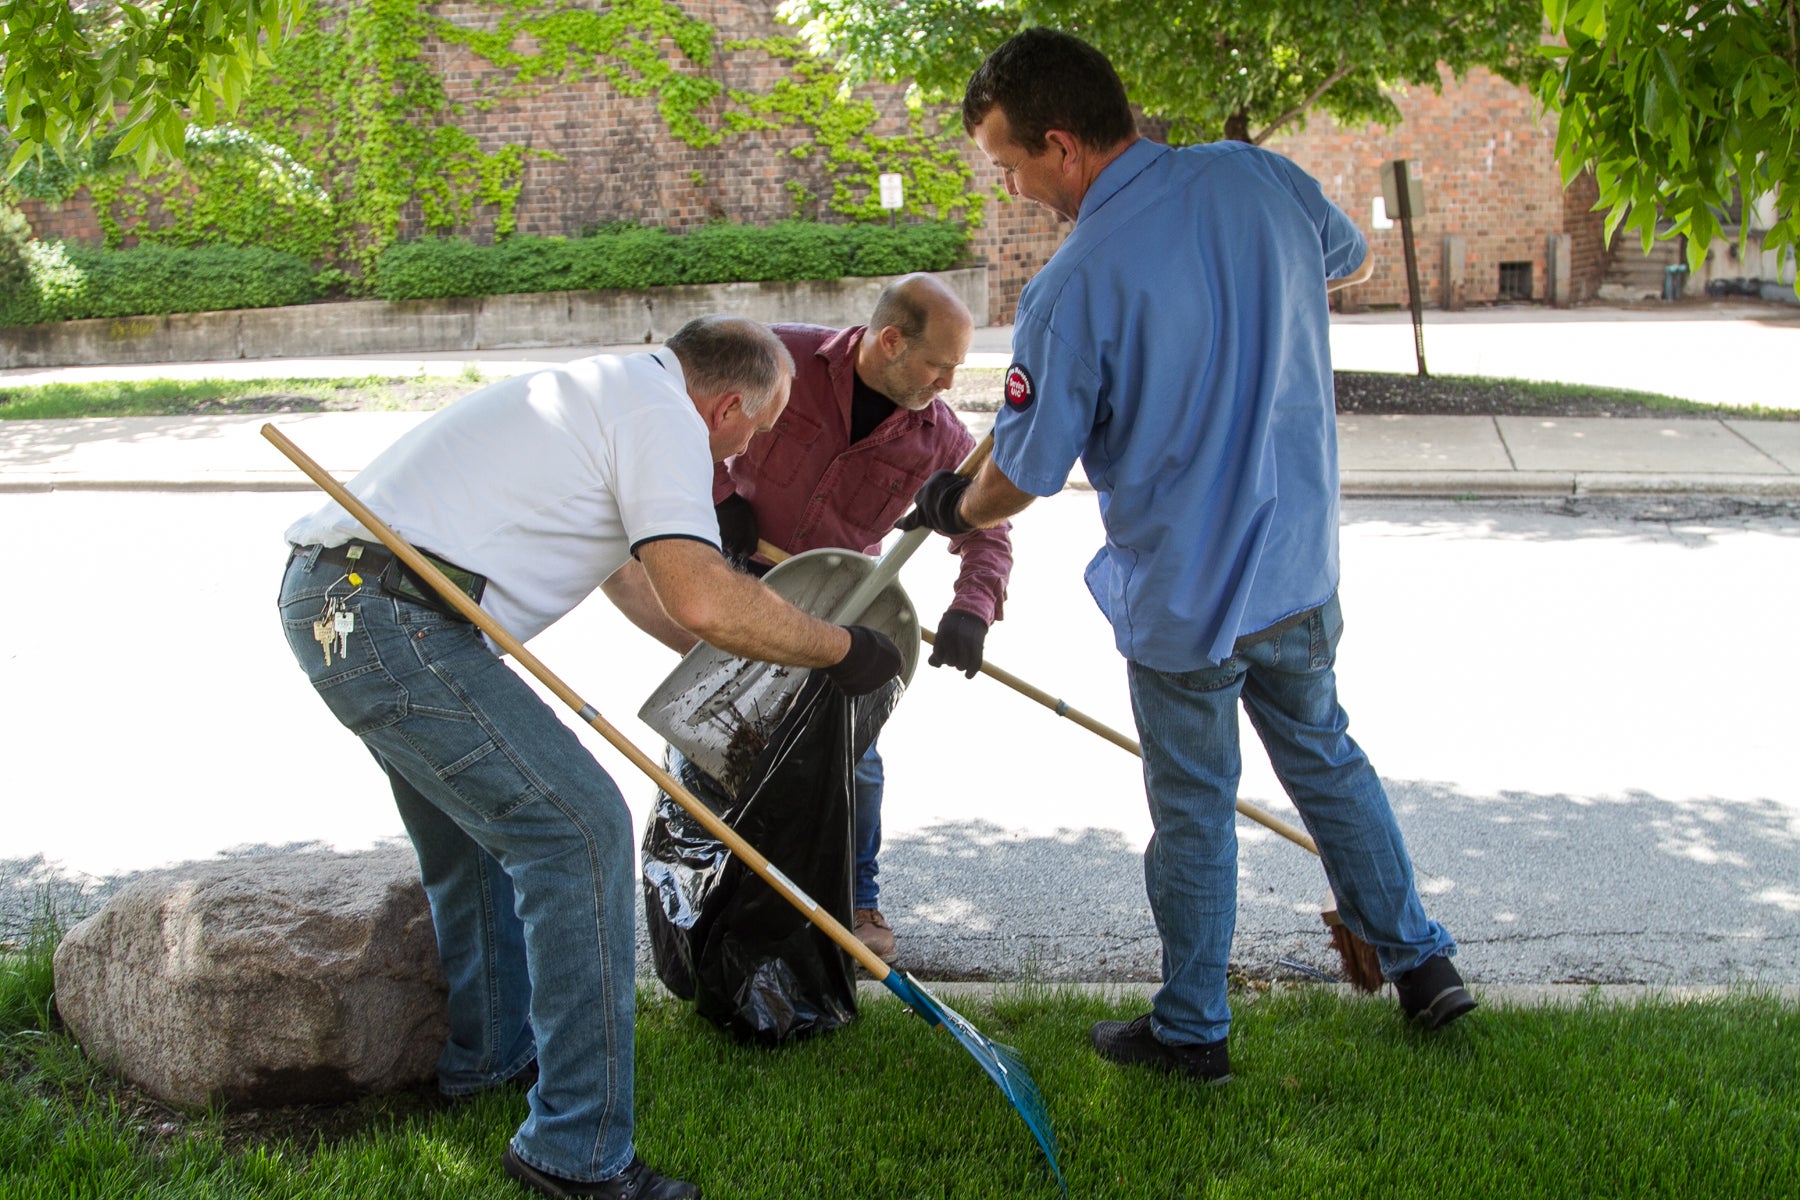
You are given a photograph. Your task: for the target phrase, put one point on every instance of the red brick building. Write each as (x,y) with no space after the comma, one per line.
(1486,158)
(1484,152)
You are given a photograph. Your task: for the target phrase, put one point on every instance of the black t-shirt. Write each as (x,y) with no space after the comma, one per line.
(868,408)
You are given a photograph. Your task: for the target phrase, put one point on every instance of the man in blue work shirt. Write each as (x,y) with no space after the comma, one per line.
(1177,345)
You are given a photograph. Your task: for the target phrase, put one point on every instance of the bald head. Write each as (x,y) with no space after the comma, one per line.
(917,336)
(911,302)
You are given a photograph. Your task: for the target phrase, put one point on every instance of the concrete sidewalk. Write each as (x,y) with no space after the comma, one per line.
(1715,354)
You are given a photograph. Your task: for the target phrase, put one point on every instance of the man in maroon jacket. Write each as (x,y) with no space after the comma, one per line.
(863,429)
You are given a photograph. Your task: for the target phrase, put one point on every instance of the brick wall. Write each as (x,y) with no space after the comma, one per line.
(614,159)
(1486,158)
(73,219)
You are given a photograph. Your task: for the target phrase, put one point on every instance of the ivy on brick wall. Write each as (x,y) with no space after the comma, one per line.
(352,131)
(621,44)
(854,157)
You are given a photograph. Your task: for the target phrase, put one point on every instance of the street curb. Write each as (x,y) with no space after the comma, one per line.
(270,482)
(1500,995)
(1450,485)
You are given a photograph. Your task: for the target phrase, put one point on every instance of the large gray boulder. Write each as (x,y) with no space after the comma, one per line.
(277,979)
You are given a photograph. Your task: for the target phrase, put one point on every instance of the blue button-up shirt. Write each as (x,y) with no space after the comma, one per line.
(1177,344)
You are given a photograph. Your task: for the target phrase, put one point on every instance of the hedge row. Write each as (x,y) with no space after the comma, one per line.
(642,258)
(59,281)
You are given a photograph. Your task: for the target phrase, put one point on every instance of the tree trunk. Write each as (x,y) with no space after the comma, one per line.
(1237,126)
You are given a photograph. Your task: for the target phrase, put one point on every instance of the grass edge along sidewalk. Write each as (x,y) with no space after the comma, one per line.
(977,390)
(1333,1097)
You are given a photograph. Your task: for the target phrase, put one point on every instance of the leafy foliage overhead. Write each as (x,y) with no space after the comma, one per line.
(1241,69)
(1684,110)
(71,72)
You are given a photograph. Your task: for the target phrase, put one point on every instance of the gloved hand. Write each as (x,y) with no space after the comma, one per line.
(934,506)
(960,636)
(737,528)
(873,659)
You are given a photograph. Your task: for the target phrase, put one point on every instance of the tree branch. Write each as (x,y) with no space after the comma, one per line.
(1343,69)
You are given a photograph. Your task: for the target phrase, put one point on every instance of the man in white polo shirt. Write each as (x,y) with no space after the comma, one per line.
(531,493)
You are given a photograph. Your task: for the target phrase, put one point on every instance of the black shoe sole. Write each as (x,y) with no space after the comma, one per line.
(1445,1007)
(1131,1053)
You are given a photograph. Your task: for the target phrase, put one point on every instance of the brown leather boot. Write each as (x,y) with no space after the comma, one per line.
(873,931)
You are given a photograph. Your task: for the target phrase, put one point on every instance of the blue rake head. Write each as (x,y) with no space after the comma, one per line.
(1001,1062)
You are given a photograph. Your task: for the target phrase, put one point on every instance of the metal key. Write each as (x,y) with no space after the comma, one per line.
(343,625)
(325,633)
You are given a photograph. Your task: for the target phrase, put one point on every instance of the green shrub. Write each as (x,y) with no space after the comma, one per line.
(435,267)
(15,268)
(66,282)
(631,257)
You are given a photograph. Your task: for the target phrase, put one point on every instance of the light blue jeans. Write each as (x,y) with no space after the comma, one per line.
(525,848)
(1187,722)
(866,837)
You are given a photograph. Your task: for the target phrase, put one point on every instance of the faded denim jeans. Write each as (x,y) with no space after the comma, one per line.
(526,850)
(1187,722)
(870,780)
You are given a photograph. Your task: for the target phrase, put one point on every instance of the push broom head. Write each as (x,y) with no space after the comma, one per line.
(1361,966)
(1001,1062)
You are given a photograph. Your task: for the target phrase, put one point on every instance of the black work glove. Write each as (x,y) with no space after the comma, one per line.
(959,639)
(737,528)
(872,661)
(934,506)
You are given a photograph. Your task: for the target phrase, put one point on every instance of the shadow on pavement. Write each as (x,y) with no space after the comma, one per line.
(1691,520)
(1536,889)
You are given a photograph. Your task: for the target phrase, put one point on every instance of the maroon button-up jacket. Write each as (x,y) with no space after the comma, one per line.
(809,487)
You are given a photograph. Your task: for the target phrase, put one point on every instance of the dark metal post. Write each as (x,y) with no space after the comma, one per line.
(1403,186)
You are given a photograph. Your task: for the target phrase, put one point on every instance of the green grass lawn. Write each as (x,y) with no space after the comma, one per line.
(1332,1098)
(978,389)
(215,397)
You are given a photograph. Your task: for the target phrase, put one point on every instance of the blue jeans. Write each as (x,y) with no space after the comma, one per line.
(1187,722)
(525,848)
(866,838)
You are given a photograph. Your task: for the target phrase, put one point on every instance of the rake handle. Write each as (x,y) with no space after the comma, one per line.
(1062,708)
(458,599)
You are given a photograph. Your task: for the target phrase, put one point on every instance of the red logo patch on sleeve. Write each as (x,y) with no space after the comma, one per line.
(1020,391)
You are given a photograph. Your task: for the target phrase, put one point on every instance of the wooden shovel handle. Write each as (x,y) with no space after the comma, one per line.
(459,600)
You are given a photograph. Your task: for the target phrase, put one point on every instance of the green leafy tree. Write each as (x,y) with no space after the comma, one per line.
(1683,111)
(1241,69)
(72,72)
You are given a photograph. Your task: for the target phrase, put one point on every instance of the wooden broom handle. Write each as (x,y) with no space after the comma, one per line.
(1061,708)
(458,599)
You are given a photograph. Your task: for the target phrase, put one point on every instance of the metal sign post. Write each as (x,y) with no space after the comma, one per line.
(893,196)
(1405,198)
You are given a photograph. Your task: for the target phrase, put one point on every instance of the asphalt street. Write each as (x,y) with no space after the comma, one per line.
(1582,709)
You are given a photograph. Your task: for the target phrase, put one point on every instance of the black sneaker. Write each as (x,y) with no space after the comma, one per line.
(1133,1044)
(1432,994)
(636,1182)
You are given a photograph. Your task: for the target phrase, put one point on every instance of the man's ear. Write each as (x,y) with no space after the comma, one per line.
(1067,143)
(891,341)
(722,407)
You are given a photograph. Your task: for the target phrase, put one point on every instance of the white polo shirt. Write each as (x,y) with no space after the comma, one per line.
(544,483)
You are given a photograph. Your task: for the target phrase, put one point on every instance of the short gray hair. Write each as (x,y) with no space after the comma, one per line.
(732,354)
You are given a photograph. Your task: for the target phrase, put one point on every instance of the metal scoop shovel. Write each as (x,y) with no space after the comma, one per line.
(718,709)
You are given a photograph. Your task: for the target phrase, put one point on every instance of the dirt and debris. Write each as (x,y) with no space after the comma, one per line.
(1382,394)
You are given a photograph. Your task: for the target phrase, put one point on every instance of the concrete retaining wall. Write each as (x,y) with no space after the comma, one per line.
(473,323)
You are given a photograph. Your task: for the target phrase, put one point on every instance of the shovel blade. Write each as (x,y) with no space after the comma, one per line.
(719,709)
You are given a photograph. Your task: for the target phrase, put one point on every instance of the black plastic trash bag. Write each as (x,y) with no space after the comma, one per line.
(721,937)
